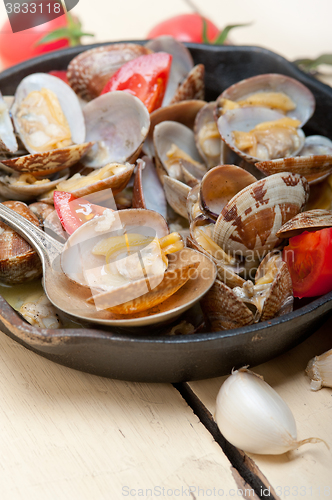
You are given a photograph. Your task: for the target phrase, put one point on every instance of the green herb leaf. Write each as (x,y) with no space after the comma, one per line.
(72,32)
(204,32)
(310,64)
(221,38)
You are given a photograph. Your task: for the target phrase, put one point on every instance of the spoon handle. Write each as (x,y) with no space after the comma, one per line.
(47,247)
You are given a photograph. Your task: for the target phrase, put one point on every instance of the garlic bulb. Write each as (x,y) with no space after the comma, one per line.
(253,417)
(319,370)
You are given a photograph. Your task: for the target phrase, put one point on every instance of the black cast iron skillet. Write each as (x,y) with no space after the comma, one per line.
(152,354)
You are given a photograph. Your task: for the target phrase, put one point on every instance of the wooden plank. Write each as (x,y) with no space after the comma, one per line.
(67,434)
(306,472)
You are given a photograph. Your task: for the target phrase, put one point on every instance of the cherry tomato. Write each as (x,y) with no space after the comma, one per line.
(145,77)
(185,28)
(309,260)
(16,47)
(73,212)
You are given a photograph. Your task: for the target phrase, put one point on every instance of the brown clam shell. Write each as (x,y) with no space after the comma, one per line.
(193,87)
(314,167)
(220,184)
(312,220)
(248,224)
(223,310)
(49,162)
(19,262)
(176,193)
(89,72)
(281,290)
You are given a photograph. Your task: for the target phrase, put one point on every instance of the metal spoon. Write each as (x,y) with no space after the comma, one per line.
(71,298)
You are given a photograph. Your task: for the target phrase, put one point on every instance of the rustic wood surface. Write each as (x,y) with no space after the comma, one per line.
(71,435)
(305,472)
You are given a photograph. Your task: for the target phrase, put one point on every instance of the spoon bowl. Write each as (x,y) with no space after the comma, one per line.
(72,298)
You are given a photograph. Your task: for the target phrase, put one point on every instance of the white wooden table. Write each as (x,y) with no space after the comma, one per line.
(69,435)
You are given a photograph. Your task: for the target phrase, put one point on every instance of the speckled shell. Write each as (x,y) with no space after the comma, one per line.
(89,72)
(18,261)
(49,162)
(223,310)
(274,82)
(220,184)
(314,167)
(193,87)
(279,299)
(312,220)
(248,224)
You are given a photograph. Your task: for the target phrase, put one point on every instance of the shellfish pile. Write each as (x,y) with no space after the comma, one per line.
(191,182)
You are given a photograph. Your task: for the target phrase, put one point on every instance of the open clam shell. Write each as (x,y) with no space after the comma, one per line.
(8,142)
(273,82)
(314,168)
(220,184)
(49,162)
(168,135)
(278,297)
(183,112)
(119,123)
(148,191)
(246,119)
(176,193)
(207,136)
(26,187)
(19,262)
(89,72)
(223,310)
(113,176)
(68,101)
(248,224)
(311,220)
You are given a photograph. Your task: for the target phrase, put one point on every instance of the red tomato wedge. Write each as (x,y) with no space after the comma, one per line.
(73,212)
(145,77)
(59,73)
(185,28)
(309,260)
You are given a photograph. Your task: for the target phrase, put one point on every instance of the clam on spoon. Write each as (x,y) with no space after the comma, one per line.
(71,297)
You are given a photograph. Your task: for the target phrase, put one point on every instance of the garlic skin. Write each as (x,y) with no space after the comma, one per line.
(253,417)
(319,370)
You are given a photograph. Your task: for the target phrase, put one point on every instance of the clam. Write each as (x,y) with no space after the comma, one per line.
(207,136)
(8,143)
(174,142)
(183,112)
(192,87)
(200,239)
(26,187)
(122,257)
(89,72)
(311,220)
(47,114)
(273,91)
(270,296)
(49,162)
(220,184)
(114,176)
(176,193)
(119,123)
(19,262)
(258,133)
(248,224)
(148,191)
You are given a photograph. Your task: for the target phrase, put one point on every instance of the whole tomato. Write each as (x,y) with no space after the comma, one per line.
(185,28)
(61,32)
